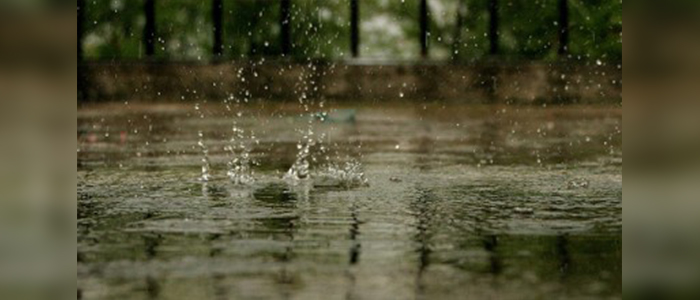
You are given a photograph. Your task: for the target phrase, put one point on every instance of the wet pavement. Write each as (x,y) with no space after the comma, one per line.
(463,202)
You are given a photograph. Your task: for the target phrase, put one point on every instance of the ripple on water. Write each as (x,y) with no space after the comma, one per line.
(457,210)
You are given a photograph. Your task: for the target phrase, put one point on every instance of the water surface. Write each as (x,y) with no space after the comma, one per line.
(463,202)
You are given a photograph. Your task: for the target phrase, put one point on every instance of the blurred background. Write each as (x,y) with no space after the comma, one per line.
(562,51)
(457,30)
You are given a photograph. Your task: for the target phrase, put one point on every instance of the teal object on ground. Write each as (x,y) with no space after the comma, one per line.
(337,116)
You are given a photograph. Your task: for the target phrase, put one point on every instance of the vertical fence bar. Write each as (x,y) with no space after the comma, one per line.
(424,28)
(354,28)
(457,41)
(563,27)
(149,30)
(217,11)
(493,27)
(81,29)
(285,26)
(81,67)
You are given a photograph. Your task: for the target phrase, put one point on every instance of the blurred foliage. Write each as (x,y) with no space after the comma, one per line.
(113,29)
(389,29)
(184,29)
(596,29)
(320,29)
(531,28)
(251,27)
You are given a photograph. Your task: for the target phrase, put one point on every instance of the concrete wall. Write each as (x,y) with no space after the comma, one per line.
(485,82)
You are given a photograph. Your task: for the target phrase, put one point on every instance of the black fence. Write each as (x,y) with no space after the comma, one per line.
(494,15)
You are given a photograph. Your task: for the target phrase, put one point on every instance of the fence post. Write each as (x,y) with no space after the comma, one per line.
(149,30)
(285,26)
(493,27)
(424,28)
(563,27)
(81,29)
(354,28)
(81,66)
(457,41)
(217,10)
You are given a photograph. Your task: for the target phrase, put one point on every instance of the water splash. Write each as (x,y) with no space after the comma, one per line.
(340,171)
(300,170)
(313,149)
(206,164)
(578,183)
(240,170)
(350,174)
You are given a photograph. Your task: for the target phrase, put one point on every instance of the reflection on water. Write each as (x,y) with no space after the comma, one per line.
(477,202)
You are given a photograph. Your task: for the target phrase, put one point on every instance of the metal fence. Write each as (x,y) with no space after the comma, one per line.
(554,40)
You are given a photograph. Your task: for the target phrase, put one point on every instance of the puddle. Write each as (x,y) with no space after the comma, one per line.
(461,202)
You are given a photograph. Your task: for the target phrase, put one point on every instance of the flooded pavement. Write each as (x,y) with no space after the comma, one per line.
(462,202)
